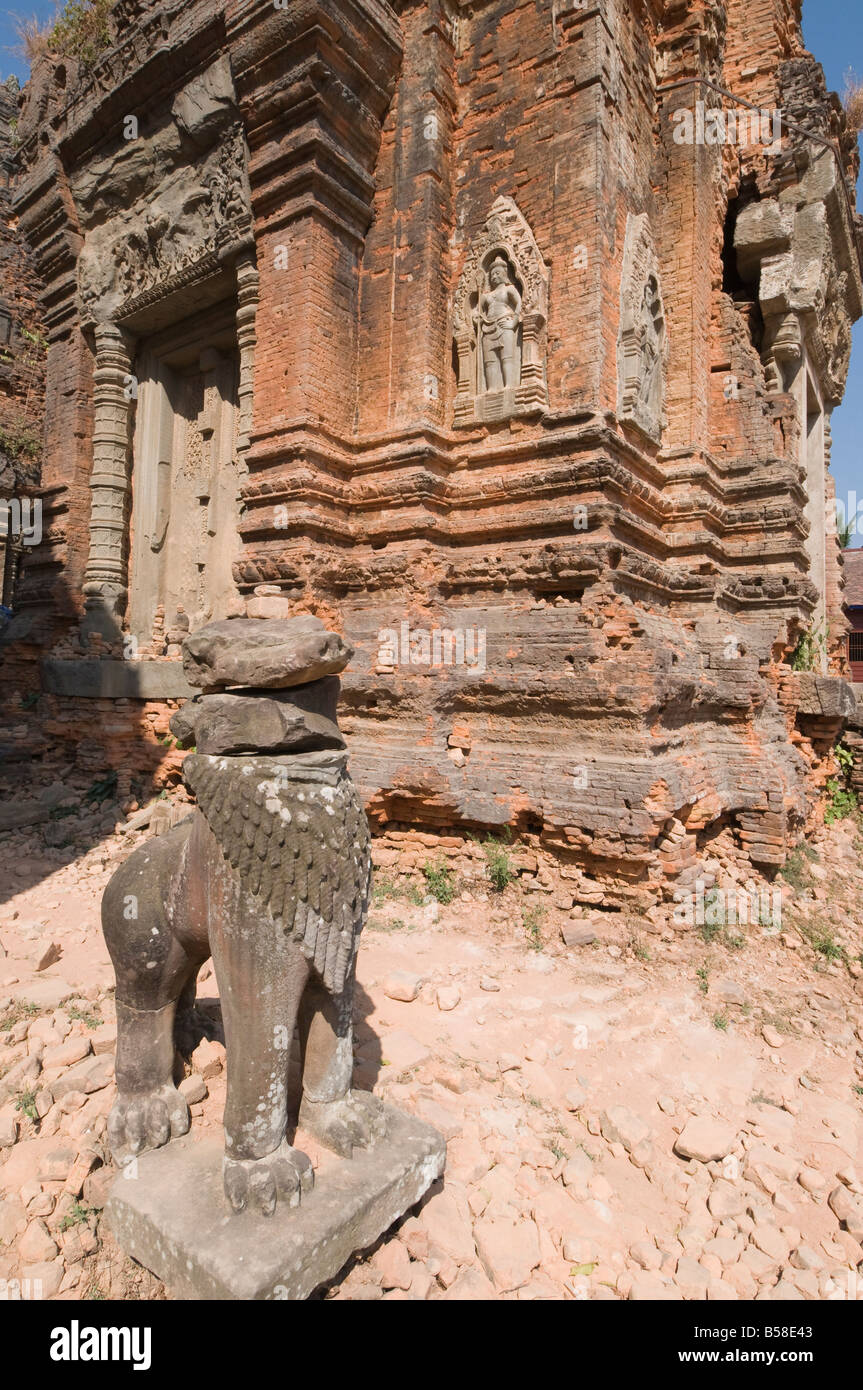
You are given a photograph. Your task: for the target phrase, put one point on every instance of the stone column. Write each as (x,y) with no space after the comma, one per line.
(105,578)
(247,306)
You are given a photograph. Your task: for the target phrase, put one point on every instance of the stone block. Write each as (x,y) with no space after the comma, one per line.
(228,724)
(258,652)
(120,680)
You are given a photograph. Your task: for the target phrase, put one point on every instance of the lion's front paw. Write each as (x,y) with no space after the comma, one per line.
(355,1121)
(146,1120)
(283,1175)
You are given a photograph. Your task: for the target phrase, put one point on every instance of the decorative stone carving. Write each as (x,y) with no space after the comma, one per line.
(185,487)
(641,344)
(499,322)
(105,576)
(172,237)
(809,287)
(271,874)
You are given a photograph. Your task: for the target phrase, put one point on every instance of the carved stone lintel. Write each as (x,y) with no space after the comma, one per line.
(160,246)
(499,322)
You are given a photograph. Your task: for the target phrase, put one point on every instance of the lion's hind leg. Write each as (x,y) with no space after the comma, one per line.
(339,1117)
(152,968)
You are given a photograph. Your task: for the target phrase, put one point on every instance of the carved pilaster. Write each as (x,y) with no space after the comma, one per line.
(105,578)
(247,306)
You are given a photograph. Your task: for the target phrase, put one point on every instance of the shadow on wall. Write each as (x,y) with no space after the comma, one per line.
(84,735)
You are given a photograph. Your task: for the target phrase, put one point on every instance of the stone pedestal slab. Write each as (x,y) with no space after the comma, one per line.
(173,1218)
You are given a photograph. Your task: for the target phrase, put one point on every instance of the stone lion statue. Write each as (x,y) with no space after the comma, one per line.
(270,875)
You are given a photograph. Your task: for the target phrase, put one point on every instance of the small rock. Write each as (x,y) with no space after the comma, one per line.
(448,997)
(508,1250)
(193,1088)
(447,1222)
(36,1244)
(402,985)
(577,934)
(645,1253)
(42,1280)
(74,1050)
(579,1251)
(811,1180)
(91,1075)
(848,1210)
(730,991)
(48,955)
(104,1038)
(725,1200)
(705,1139)
(471,1286)
(575,1098)
(651,1288)
(691,1278)
(208,1058)
(393,1263)
(620,1125)
(771,1242)
(772,1036)
(804,1257)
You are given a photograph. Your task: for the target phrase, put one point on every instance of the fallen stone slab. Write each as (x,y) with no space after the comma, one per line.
(115,680)
(172,1217)
(263,653)
(31,810)
(402,1051)
(577,933)
(47,993)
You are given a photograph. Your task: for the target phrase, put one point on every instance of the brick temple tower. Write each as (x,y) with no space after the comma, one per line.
(505,336)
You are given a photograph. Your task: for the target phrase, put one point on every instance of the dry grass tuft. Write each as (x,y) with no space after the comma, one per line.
(852,100)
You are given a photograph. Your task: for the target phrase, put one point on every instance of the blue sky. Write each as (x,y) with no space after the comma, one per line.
(833,30)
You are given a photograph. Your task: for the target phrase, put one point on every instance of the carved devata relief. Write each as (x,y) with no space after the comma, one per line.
(641,346)
(499,322)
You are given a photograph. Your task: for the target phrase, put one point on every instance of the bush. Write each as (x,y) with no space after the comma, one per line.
(81,31)
(810,647)
(440,880)
(498,866)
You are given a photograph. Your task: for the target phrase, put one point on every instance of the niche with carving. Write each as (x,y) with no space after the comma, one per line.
(642,345)
(499,322)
